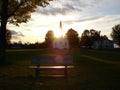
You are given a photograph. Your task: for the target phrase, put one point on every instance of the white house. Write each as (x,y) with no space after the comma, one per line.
(103,44)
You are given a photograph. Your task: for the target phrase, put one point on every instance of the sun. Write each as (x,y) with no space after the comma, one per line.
(57,33)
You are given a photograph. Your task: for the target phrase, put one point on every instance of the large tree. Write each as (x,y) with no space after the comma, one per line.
(84,40)
(49,38)
(15,12)
(73,38)
(88,37)
(115,34)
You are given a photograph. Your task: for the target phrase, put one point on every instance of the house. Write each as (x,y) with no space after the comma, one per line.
(103,43)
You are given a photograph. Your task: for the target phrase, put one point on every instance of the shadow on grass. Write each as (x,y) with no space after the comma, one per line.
(88,74)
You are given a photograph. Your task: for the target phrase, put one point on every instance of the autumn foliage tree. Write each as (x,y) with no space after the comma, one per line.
(15,12)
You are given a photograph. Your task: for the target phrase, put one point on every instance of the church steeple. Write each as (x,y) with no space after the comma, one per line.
(60,25)
(61,29)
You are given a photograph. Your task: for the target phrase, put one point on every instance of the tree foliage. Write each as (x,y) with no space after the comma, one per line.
(115,34)
(49,38)
(19,11)
(88,37)
(73,38)
(84,40)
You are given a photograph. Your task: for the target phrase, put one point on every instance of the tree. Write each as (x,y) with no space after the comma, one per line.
(15,12)
(8,36)
(49,38)
(84,40)
(115,34)
(86,33)
(94,35)
(88,37)
(73,38)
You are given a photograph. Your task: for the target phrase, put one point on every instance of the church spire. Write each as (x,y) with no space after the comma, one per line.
(61,29)
(60,25)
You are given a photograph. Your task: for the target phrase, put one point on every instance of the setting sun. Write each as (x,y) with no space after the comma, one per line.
(57,33)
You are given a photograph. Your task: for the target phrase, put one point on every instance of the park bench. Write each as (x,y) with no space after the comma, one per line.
(58,62)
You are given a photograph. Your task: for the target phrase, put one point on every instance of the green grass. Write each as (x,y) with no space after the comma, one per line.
(94,70)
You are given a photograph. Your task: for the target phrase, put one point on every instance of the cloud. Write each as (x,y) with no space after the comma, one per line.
(27,29)
(16,34)
(62,7)
(90,18)
(56,10)
(67,6)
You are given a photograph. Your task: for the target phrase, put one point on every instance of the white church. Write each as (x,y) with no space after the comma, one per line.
(61,42)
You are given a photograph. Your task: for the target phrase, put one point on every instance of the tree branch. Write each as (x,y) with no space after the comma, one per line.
(12,13)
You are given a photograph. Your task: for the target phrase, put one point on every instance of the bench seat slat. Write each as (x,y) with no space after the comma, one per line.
(54,76)
(50,67)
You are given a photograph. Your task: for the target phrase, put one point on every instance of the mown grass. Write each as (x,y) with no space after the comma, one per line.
(91,71)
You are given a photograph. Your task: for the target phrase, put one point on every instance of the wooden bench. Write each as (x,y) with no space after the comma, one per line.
(57,63)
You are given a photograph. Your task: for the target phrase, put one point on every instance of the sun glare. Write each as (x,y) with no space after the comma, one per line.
(57,33)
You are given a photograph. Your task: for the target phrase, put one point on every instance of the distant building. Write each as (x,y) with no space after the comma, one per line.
(16,46)
(103,43)
(61,43)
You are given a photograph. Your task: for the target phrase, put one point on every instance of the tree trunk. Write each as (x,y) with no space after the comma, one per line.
(3,32)
(2,44)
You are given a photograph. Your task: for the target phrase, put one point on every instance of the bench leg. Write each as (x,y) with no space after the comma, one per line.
(65,72)
(37,72)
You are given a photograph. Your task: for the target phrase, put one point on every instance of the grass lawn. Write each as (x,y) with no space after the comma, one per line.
(94,70)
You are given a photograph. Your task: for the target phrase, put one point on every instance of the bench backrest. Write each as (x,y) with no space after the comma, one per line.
(53,60)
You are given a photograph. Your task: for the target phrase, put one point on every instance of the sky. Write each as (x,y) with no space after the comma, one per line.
(79,15)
